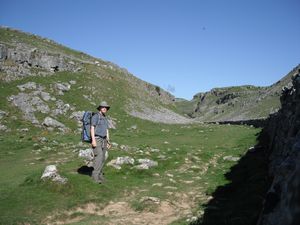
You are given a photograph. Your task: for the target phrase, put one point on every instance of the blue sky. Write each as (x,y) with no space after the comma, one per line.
(186,46)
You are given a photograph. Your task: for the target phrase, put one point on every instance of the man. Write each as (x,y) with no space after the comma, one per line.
(100,140)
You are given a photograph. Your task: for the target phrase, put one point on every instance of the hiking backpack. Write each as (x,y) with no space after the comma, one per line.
(86,126)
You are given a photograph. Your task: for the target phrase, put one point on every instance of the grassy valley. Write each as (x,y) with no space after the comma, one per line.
(192,158)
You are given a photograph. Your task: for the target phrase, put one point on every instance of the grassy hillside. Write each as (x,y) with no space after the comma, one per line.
(235,103)
(191,163)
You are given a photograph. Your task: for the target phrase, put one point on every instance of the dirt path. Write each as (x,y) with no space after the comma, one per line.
(114,213)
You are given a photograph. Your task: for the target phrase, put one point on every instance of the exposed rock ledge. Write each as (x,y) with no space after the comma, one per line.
(282,202)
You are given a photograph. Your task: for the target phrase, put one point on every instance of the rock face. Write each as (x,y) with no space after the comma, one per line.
(282,203)
(24,58)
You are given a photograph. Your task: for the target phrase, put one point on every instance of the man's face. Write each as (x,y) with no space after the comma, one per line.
(103,110)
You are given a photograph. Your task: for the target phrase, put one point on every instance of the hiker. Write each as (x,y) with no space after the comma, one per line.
(100,140)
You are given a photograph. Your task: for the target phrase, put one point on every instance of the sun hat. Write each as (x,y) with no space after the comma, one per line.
(103,104)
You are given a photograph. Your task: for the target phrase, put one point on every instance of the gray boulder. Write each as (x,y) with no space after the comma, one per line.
(62,87)
(50,122)
(28,85)
(119,161)
(77,115)
(231,158)
(51,173)
(86,154)
(146,164)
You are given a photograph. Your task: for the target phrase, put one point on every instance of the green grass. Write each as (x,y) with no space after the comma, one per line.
(25,198)
(193,154)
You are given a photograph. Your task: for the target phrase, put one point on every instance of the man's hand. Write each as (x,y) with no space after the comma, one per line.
(108,145)
(94,144)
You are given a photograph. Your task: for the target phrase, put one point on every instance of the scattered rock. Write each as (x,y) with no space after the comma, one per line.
(77,115)
(154,150)
(50,122)
(151,199)
(72,82)
(23,129)
(145,164)
(133,127)
(112,124)
(51,173)
(86,154)
(45,96)
(231,158)
(42,139)
(28,104)
(62,87)
(114,144)
(119,161)
(61,109)
(124,148)
(157,184)
(3,127)
(3,113)
(28,85)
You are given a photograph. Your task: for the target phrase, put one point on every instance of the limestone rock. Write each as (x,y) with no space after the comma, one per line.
(77,115)
(146,164)
(3,114)
(50,122)
(3,127)
(62,87)
(119,161)
(86,154)
(28,85)
(51,173)
(150,199)
(28,104)
(231,158)
(282,203)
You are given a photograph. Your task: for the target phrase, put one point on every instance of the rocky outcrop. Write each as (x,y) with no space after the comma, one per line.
(20,61)
(282,202)
(237,103)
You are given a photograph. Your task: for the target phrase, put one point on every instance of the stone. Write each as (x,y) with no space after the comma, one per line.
(111,123)
(61,108)
(148,162)
(45,96)
(51,173)
(145,164)
(3,127)
(77,115)
(150,199)
(64,87)
(86,154)
(28,85)
(114,144)
(124,148)
(50,122)
(154,150)
(28,104)
(133,127)
(119,161)
(3,114)
(231,158)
